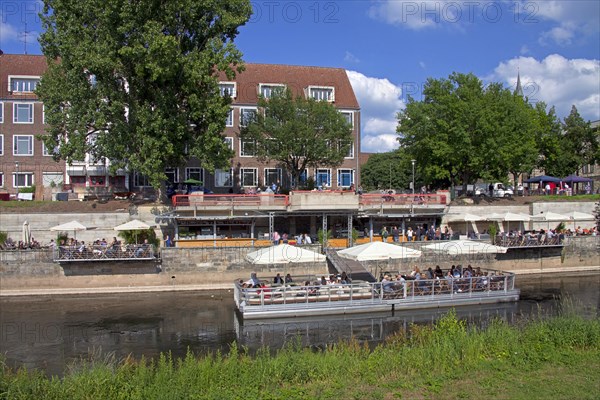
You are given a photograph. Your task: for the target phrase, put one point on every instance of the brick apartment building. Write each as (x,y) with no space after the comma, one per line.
(26,162)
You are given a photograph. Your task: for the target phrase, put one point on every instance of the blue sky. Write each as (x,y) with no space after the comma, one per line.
(390,48)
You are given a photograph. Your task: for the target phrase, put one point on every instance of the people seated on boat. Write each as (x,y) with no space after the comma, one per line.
(422,284)
(482,281)
(306,239)
(254,282)
(310,289)
(345,279)
(288,279)
(278,280)
(323,280)
(429,274)
(386,284)
(81,250)
(142,249)
(299,240)
(439,274)
(450,281)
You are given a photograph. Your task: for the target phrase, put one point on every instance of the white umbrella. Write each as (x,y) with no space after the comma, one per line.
(378,251)
(550,216)
(26,233)
(508,217)
(133,225)
(468,218)
(69,226)
(284,254)
(580,216)
(456,247)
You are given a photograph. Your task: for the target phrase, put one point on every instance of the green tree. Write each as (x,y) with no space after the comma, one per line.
(549,138)
(391,170)
(298,133)
(580,141)
(137,82)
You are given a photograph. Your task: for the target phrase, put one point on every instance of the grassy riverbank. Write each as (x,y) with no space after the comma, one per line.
(555,358)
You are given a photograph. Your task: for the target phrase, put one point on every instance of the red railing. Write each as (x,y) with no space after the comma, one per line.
(223,200)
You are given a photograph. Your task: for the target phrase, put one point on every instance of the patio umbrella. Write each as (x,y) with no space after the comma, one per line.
(26,233)
(576,179)
(550,216)
(508,217)
(580,216)
(378,251)
(468,218)
(133,225)
(284,254)
(74,226)
(457,247)
(542,178)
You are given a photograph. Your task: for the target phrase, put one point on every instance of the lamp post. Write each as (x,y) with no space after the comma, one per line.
(17,178)
(413,176)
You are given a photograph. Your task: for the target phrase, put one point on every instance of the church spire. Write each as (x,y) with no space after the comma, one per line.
(519,88)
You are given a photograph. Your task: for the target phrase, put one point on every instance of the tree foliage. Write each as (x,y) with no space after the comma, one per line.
(391,170)
(298,132)
(463,131)
(137,82)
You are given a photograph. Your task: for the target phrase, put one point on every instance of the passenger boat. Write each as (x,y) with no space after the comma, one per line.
(312,299)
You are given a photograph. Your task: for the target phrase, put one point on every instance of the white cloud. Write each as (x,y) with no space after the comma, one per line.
(557,81)
(8,33)
(574,18)
(415,15)
(379,100)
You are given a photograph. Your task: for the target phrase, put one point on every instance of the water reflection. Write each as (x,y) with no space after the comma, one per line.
(51,333)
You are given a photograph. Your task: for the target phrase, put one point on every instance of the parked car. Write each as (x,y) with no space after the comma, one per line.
(499,190)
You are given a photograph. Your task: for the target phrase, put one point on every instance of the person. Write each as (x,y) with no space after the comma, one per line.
(142,249)
(278,280)
(395,234)
(547,189)
(254,281)
(384,234)
(276,238)
(306,239)
(284,237)
(168,241)
(588,188)
(360,190)
(288,278)
(409,234)
(491,190)
(345,279)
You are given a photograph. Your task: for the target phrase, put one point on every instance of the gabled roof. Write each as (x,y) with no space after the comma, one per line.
(297,78)
(21,65)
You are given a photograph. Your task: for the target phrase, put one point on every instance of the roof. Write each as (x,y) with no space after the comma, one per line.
(21,65)
(295,77)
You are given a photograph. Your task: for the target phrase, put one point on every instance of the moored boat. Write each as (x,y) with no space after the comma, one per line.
(311,298)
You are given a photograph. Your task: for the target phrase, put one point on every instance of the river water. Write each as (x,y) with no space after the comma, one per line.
(51,334)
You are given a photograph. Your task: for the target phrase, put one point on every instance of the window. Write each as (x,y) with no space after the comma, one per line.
(140,180)
(272,175)
(323,177)
(22,179)
(194,173)
(46,152)
(97,180)
(321,93)
(224,177)
(345,177)
(350,152)
(229,120)
(303,178)
(229,142)
(247,115)
(78,181)
(267,90)
(172,175)
(1,145)
(23,145)
(349,116)
(227,89)
(23,113)
(1,112)
(50,179)
(116,181)
(1,179)
(23,84)
(249,177)
(247,147)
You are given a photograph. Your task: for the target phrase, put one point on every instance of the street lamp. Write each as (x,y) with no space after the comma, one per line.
(413,171)
(17,177)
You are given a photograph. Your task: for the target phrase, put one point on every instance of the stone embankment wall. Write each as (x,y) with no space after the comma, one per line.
(219,267)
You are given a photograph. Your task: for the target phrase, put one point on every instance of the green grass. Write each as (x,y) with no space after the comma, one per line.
(22,204)
(556,358)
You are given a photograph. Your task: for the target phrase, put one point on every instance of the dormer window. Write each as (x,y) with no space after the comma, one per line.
(23,84)
(267,90)
(227,89)
(322,93)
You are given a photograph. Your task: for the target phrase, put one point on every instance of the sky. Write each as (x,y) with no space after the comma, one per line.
(390,48)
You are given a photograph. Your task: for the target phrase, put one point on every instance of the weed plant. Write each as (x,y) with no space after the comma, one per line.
(557,357)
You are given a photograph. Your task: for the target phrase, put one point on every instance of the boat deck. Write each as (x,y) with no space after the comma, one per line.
(307,300)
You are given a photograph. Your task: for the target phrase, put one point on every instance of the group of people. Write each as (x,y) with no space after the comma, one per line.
(101,248)
(10,244)
(456,279)
(419,234)
(284,238)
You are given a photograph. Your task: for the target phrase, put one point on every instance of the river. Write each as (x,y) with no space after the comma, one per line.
(51,333)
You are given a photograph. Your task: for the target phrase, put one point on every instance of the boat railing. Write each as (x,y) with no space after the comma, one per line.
(379,292)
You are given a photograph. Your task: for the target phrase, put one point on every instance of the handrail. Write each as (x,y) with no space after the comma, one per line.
(187,200)
(104,253)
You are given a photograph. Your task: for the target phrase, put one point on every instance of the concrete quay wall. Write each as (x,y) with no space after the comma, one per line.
(25,272)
